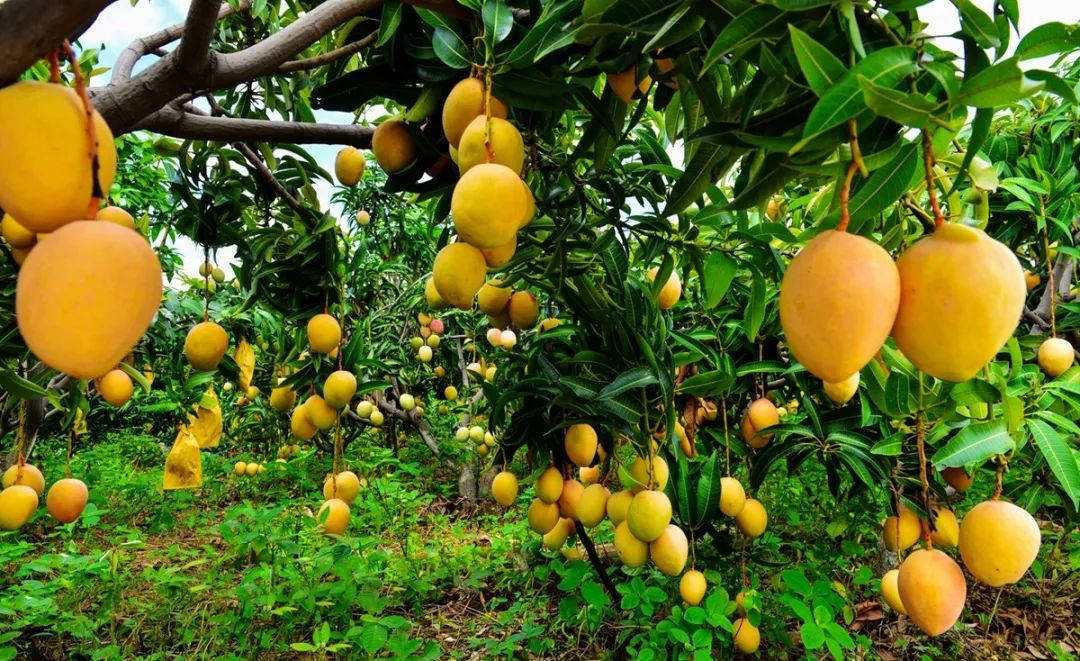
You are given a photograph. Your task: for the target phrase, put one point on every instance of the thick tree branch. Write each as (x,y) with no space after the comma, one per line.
(30,29)
(193,53)
(265,57)
(175,123)
(331,56)
(129,103)
(153,43)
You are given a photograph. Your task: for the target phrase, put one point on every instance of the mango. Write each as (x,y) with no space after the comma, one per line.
(961,297)
(86,296)
(932,590)
(838,300)
(998,542)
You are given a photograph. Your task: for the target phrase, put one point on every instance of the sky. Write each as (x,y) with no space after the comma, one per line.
(121,23)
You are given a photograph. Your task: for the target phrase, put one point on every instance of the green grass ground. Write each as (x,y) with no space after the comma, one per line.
(237,569)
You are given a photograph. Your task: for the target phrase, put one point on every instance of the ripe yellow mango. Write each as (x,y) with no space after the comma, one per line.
(692,587)
(17,505)
(670,550)
(465,102)
(323,333)
(932,590)
(592,506)
(632,551)
(334,516)
(45,175)
(838,301)
(890,592)
(205,345)
(961,297)
(523,309)
(345,486)
(67,499)
(543,516)
(506,145)
(840,392)
(732,496)
(901,532)
(639,470)
(504,488)
(86,296)
(998,542)
(761,414)
(580,443)
(116,387)
(26,475)
(618,505)
(649,515)
(458,274)
(753,519)
(1055,356)
(671,291)
(625,85)
(349,167)
(339,388)
(393,146)
(569,498)
(747,636)
(487,205)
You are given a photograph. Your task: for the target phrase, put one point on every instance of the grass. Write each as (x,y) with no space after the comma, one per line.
(237,569)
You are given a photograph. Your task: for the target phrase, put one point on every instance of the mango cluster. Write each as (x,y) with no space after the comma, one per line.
(490,202)
(23,486)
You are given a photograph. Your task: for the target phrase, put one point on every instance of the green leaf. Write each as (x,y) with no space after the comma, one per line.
(696,178)
(845,99)
(391,19)
(980,129)
(708,489)
(998,85)
(851,26)
(898,394)
(682,24)
(974,444)
(975,22)
(20,387)
(819,66)
(1054,84)
(908,108)
(754,24)
(1048,39)
(755,311)
(551,26)
(594,594)
(450,48)
(884,187)
(1059,456)
(373,638)
(707,383)
(629,380)
(719,272)
(498,21)
(812,635)
(137,376)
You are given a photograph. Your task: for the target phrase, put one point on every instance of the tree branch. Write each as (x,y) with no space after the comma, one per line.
(129,103)
(327,58)
(175,123)
(193,53)
(153,43)
(30,29)
(265,57)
